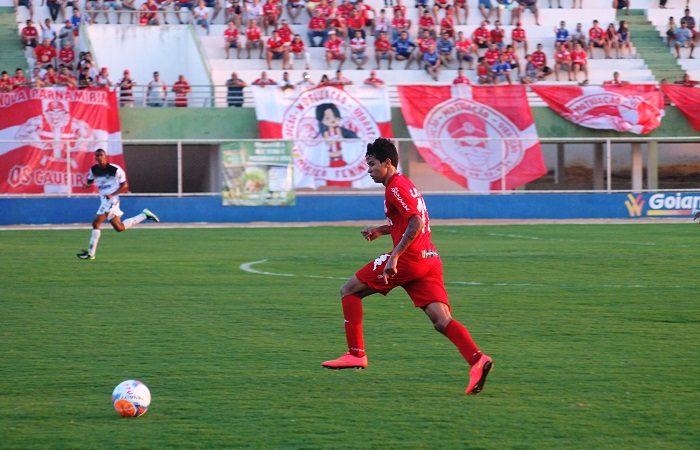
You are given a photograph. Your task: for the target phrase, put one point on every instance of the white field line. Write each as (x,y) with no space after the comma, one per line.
(248,267)
(537,238)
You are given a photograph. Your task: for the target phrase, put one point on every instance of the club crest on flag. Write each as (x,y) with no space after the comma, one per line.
(330,129)
(470,137)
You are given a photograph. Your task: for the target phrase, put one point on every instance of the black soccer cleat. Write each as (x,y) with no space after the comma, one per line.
(85,255)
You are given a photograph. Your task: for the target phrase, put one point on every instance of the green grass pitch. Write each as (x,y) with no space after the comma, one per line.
(594,331)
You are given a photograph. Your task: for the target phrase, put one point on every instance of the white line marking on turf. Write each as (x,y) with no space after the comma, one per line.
(248,267)
(537,238)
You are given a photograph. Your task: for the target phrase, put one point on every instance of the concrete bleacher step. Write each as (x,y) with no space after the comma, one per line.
(11,51)
(651,47)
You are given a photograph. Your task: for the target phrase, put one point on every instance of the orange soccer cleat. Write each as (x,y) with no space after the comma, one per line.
(347,361)
(477,375)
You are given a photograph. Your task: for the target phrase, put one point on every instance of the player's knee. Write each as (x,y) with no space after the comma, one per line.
(441,325)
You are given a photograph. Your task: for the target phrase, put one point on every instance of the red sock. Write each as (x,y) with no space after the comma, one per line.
(352,311)
(458,334)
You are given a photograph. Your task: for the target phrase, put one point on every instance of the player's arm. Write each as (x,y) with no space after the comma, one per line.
(123,187)
(372,233)
(415,225)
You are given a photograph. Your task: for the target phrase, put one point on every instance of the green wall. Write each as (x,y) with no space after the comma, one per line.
(237,123)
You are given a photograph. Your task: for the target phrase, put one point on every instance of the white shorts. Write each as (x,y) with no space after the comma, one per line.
(109,207)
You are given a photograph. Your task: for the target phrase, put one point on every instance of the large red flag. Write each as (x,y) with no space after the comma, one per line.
(48,136)
(687,99)
(330,127)
(475,134)
(631,108)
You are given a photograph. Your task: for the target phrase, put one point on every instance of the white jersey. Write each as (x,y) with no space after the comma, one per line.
(107,179)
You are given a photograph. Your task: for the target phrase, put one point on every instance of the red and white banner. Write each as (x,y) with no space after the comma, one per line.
(330,127)
(687,99)
(475,135)
(632,108)
(48,137)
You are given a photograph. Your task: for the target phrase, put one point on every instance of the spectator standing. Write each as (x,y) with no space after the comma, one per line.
(460,78)
(65,34)
(181,88)
(616,80)
(339,79)
(29,36)
(156,92)
(47,31)
(234,91)
(126,90)
(306,82)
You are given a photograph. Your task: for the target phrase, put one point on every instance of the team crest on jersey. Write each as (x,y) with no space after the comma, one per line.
(470,138)
(55,132)
(330,129)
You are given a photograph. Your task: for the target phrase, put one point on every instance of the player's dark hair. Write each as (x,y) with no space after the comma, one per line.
(383,149)
(100,150)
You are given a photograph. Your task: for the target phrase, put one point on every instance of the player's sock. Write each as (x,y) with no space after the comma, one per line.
(131,221)
(94,239)
(352,311)
(458,334)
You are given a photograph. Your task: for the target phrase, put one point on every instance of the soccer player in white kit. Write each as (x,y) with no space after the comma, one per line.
(111,181)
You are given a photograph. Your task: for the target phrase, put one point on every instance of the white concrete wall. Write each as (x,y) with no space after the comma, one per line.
(170,50)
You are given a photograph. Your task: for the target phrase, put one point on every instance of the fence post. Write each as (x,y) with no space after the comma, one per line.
(653,165)
(608,165)
(503,165)
(637,167)
(598,180)
(179,168)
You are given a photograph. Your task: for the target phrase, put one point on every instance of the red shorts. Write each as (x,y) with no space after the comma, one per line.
(420,277)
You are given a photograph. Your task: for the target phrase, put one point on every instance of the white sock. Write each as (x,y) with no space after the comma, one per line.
(131,221)
(94,239)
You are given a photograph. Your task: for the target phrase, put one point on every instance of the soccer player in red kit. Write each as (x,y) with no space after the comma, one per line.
(413,264)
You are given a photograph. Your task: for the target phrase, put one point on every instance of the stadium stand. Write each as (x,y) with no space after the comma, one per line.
(200,56)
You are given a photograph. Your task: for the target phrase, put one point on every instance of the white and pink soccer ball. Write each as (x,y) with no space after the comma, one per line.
(131,398)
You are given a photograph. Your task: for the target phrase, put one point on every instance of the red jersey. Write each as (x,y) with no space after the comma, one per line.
(481,35)
(5,84)
(66,55)
(355,22)
(596,33)
(333,45)
(297,46)
(275,44)
(401,8)
(252,34)
(270,10)
(181,88)
(426,22)
(562,56)
(382,45)
(518,35)
(578,57)
(67,80)
(317,24)
(461,80)
(464,45)
(497,35)
(18,82)
(29,32)
(285,33)
(231,35)
(374,82)
(539,59)
(51,78)
(447,24)
(323,10)
(491,56)
(44,54)
(345,10)
(424,44)
(402,200)
(400,24)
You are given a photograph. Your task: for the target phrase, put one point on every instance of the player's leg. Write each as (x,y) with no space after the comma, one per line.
(94,237)
(146,214)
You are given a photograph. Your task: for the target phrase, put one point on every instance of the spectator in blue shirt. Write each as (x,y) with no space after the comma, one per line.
(501,70)
(683,37)
(404,49)
(444,47)
(561,34)
(431,62)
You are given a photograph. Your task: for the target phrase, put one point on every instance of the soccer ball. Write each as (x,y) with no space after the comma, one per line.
(131,398)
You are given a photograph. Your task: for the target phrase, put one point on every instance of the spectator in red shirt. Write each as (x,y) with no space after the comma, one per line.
(296,48)
(497,35)
(519,37)
(426,23)
(253,38)
(181,88)
(616,81)
(270,15)
(66,78)
(45,53)
(579,62)
(461,79)
(491,55)
(482,36)
(317,28)
(19,80)
(5,82)
(366,12)
(339,79)
(231,36)
(335,50)
(374,80)
(424,43)
(29,35)
(562,61)
(285,31)
(447,24)
(264,80)
(483,72)
(67,55)
(465,50)
(399,24)
(539,59)
(383,50)
(596,39)
(276,49)
(50,78)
